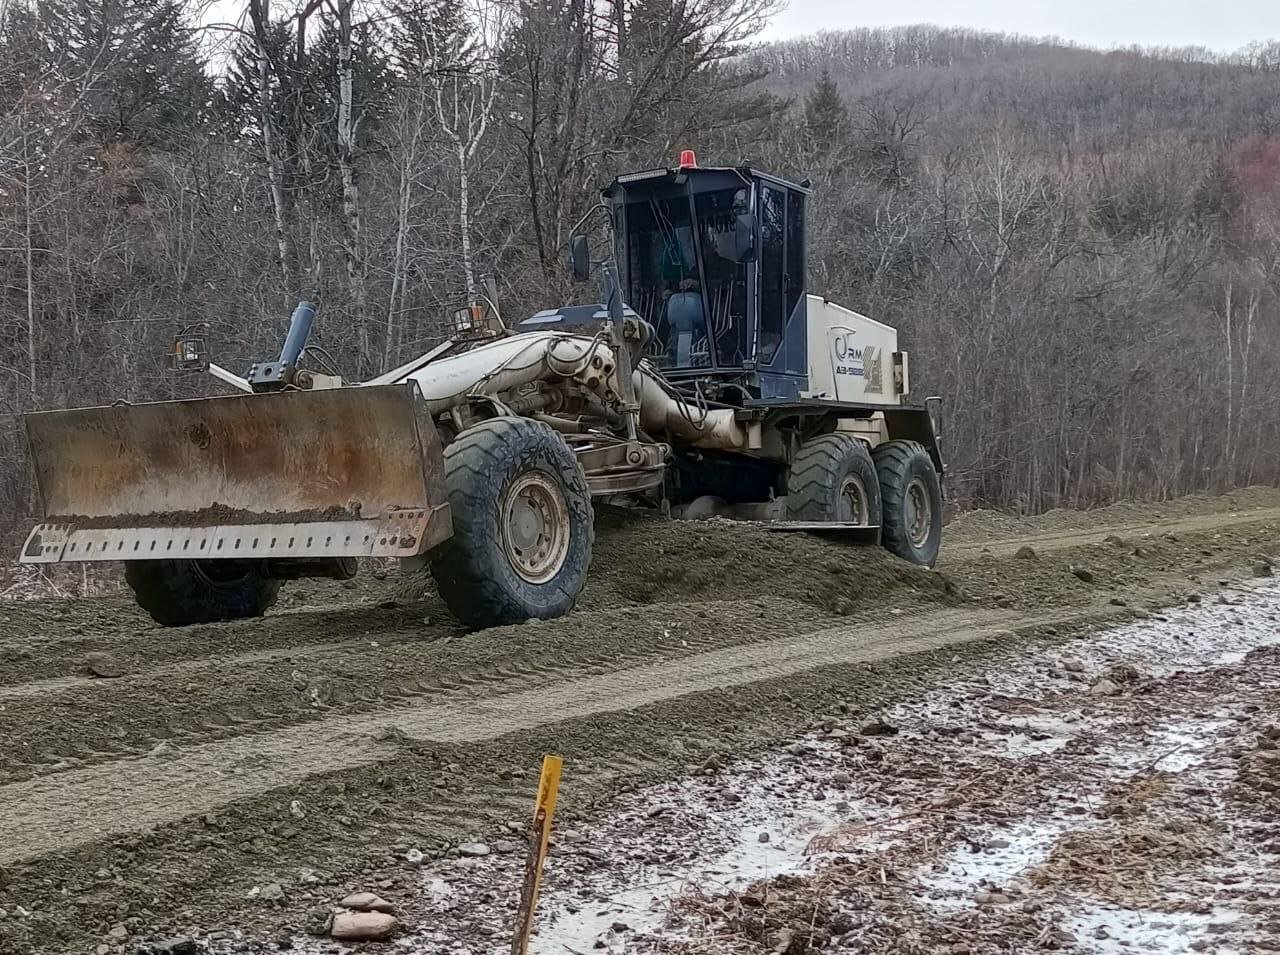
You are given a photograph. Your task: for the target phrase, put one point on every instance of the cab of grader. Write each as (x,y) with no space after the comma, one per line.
(714,260)
(721,388)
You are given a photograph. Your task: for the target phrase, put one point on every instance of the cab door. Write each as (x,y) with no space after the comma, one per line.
(781,341)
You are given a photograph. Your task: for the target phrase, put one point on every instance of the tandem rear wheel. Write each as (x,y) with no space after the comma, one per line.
(911,501)
(835,478)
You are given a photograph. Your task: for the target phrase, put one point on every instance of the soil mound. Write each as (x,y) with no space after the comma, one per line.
(641,558)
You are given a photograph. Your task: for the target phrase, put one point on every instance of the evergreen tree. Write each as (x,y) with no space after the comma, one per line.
(826,117)
(143,76)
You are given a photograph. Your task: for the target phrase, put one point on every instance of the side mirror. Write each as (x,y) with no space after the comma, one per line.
(579,259)
(744,238)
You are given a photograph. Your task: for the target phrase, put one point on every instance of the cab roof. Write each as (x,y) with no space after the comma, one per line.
(671,175)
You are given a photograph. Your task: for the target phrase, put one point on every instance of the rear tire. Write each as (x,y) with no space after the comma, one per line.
(181,592)
(523,525)
(833,479)
(912,501)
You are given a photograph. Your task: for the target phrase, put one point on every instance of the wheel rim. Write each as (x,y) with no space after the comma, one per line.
(853,501)
(919,513)
(535,526)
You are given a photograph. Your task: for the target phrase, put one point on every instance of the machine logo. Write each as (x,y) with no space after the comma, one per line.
(848,354)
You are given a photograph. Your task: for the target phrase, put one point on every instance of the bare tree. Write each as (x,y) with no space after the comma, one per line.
(465,89)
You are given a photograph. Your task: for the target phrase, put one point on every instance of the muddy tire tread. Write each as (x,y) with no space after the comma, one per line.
(175,595)
(897,463)
(472,576)
(816,472)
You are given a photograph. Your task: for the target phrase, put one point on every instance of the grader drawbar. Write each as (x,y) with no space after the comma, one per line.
(707,383)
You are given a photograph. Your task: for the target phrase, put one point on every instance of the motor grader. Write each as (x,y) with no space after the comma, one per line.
(707,382)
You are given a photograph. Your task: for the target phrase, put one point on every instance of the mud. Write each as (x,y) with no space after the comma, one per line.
(318,746)
(212,516)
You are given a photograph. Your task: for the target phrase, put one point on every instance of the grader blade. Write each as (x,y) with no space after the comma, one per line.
(344,472)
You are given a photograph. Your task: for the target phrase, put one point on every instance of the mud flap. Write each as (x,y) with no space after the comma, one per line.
(345,472)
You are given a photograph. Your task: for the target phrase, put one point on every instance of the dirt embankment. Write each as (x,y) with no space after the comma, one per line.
(358,721)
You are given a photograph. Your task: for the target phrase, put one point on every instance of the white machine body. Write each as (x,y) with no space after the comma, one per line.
(852,357)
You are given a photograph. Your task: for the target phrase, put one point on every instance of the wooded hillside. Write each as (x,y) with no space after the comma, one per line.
(1082,248)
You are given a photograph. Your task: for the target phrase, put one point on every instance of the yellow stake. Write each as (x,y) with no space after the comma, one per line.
(540,836)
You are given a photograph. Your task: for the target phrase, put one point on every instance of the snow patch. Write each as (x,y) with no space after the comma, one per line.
(1104,928)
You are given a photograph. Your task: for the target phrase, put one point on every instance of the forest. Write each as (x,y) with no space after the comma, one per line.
(1081,248)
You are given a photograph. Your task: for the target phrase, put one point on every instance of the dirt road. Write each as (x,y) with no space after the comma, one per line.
(356,732)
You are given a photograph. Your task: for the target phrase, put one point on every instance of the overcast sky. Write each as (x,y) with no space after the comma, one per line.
(1217,24)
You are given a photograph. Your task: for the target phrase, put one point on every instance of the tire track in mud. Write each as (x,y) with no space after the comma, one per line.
(66,723)
(1055,540)
(84,805)
(36,644)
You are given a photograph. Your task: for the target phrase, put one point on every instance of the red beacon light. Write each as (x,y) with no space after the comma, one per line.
(688,160)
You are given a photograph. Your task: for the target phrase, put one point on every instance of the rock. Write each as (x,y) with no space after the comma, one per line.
(318,921)
(103,949)
(163,750)
(878,728)
(104,665)
(414,856)
(388,605)
(473,849)
(506,846)
(367,902)
(271,892)
(1193,598)
(119,932)
(1083,574)
(437,889)
(762,838)
(1025,552)
(1118,602)
(1263,570)
(1104,687)
(1123,673)
(296,810)
(1071,664)
(363,926)
(570,836)
(620,927)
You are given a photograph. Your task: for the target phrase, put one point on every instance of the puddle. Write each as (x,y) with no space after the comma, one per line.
(765,835)
(1005,853)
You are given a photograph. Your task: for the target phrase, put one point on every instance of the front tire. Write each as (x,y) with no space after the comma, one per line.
(180,592)
(833,479)
(912,496)
(523,525)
